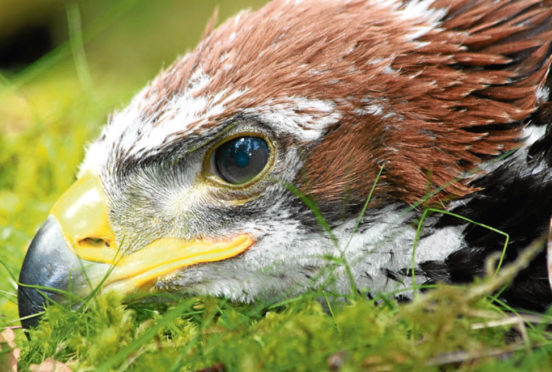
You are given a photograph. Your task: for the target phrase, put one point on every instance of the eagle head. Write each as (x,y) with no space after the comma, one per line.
(293,148)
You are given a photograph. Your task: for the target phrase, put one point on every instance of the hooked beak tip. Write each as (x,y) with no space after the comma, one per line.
(46,265)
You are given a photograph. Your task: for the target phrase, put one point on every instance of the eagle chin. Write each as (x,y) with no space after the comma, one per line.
(310,131)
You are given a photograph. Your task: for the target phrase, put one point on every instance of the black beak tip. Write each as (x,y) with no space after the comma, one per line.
(29,303)
(46,265)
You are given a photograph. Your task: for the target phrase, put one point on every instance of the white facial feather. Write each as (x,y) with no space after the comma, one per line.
(532,133)
(287,260)
(289,118)
(542,93)
(418,11)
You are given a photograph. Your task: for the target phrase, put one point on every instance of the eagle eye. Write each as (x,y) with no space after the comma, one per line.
(241,159)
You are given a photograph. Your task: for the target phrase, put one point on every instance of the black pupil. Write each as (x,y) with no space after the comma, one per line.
(241,159)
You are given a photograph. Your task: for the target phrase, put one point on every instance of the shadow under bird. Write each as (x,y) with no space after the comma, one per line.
(196,187)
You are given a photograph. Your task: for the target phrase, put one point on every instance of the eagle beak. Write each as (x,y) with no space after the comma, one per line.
(75,251)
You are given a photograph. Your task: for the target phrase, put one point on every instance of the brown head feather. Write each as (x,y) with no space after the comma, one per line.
(428,105)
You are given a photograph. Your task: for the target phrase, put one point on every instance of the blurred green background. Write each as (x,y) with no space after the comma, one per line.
(64,66)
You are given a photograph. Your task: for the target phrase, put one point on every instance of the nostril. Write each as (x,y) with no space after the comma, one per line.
(96,249)
(94,243)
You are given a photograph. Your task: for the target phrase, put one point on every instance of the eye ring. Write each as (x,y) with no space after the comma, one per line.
(240,160)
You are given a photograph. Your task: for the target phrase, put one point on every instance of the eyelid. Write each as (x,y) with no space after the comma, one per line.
(214,139)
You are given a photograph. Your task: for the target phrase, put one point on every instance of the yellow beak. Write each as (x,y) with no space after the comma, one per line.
(82,214)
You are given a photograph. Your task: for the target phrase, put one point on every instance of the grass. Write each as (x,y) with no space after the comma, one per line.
(51,109)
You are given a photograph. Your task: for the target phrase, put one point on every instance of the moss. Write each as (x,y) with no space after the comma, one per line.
(300,336)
